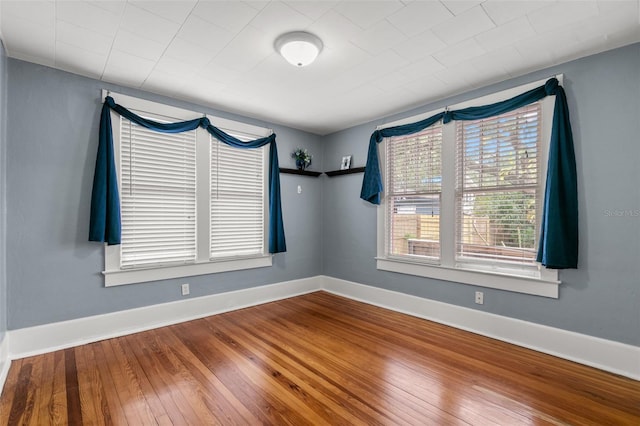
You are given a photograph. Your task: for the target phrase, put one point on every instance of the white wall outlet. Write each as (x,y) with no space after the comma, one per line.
(479,297)
(185,289)
(299,189)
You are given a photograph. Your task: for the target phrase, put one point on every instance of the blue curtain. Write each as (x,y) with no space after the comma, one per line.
(105,202)
(558,247)
(372,181)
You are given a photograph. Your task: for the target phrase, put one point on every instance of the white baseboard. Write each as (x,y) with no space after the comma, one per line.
(604,354)
(60,335)
(5,361)
(615,357)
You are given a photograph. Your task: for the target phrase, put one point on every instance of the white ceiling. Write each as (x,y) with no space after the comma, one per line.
(380,57)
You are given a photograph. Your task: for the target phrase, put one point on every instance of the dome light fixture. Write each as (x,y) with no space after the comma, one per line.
(299,48)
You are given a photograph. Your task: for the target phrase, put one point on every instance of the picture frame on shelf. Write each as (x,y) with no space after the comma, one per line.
(346,162)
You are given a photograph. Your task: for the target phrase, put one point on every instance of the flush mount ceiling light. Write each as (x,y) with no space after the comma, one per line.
(299,48)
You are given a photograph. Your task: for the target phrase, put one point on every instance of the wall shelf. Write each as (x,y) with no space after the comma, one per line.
(345,172)
(316,174)
(300,172)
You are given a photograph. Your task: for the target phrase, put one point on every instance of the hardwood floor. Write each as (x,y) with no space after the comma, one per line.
(314,359)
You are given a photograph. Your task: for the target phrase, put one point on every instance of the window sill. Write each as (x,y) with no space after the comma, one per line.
(529,285)
(132,276)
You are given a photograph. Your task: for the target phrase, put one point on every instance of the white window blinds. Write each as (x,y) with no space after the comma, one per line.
(414,184)
(237,200)
(497,187)
(158,196)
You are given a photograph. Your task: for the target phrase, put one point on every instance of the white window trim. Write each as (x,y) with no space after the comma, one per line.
(543,282)
(113,275)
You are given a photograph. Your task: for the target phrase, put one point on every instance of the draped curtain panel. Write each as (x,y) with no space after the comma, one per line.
(105,201)
(558,246)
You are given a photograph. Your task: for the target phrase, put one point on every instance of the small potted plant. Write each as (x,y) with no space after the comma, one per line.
(302,157)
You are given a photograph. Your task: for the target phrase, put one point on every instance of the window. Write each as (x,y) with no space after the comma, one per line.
(498,191)
(190,204)
(158,196)
(237,200)
(414,182)
(463,200)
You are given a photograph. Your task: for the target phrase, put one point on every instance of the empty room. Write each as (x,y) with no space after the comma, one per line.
(340,212)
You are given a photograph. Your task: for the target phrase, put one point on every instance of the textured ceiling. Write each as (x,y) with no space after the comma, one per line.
(380,57)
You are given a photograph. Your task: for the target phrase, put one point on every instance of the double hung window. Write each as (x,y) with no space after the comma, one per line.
(158,196)
(414,189)
(463,200)
(190,204)
(498,188)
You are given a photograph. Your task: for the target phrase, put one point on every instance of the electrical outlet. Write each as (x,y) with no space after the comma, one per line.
(185,289)
(479,297)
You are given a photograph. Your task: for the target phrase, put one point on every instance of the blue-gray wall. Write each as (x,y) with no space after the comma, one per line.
(53,272)
(3,145)
(602,297)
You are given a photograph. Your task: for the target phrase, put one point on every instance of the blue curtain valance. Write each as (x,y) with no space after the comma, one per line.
(105,201)
(558,247)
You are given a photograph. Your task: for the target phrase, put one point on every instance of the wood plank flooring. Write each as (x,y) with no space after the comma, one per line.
(314,359)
